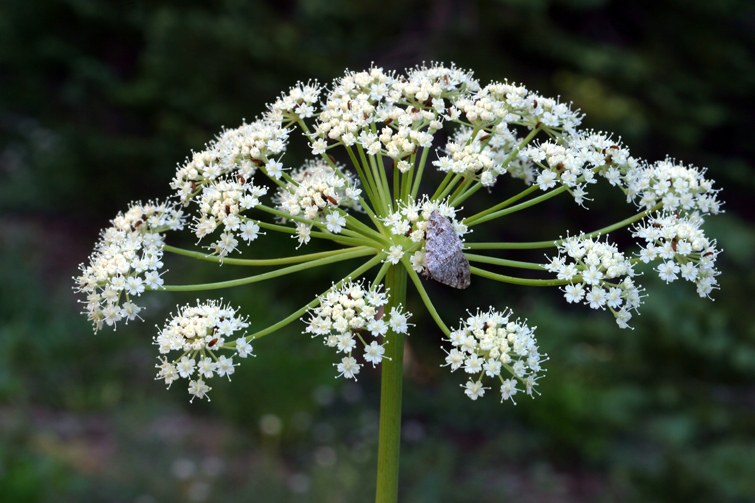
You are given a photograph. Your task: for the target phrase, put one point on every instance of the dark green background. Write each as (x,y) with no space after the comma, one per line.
(99,101)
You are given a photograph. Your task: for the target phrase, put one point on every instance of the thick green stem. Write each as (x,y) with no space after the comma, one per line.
(390,395)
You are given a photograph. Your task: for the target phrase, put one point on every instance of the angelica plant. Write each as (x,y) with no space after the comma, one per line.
(374,140)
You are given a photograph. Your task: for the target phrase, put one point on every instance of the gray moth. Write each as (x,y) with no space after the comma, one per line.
(444,259)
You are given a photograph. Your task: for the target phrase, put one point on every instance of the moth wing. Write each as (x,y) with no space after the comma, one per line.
(456,272)
(442,241)
(445,261)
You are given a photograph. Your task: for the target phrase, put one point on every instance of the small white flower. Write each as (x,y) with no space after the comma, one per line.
(492,367)
(243,348)
(225,367)
(374,353)
(547,179)
(455,359)
(206,367)
(508,390)
(418,261)
(319,146)
(249,231)
(134,285)
(335,222)
(199,389)
(398,321)
(474,389)
(153,280)
(394,254)
(574,293)
(473,364)
(348,368)
(377,327)
(185,367)
(668,271)
(303,233)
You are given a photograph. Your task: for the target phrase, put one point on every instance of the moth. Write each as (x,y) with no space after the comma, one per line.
(444,259)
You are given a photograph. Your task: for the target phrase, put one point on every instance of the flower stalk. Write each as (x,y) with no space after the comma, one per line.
(391,383)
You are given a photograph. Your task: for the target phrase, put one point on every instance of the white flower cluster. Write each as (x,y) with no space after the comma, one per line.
(682,246)
(423,85)
(594,270)
(473,157)
(221,203)
(574,160)
(236,152)
(411,220)
(317,195)
(197,332)
(347,314)
(405,105)
(299,103)
(679,188)
(487,344)
(503,102)
(126,261)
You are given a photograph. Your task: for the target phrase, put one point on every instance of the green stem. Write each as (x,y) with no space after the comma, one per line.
(550,244)
(463,186)
(381,273)
(383,175)
(364,176)
(365,229)
(260,262)
(425,298)
(396,176)
(355,234)
(504,204)
(358,240)
(389,440)
(272,328)
(518,207)
(451,186)
(271,274)
(446,180)
(522,281)
(457,201)
(420,170)
(504,262)
(381,179)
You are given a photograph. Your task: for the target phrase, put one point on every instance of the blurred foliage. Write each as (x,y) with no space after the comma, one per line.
(100,100)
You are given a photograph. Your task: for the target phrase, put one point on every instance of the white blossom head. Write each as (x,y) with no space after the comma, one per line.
(319,193)
(491,345)
(346,318)
(126,261)
(197,333)
(679,243)
(598,275)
